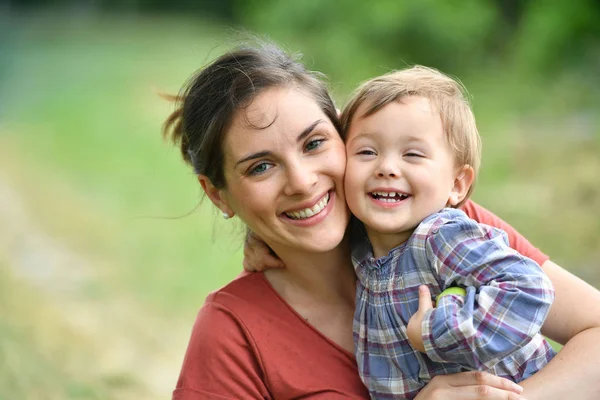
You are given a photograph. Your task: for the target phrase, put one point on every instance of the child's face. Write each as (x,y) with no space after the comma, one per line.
(400,168)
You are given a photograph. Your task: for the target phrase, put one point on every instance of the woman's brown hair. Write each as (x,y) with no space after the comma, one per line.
(211,97)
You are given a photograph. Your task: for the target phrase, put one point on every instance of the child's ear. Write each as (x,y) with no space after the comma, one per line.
(215,195)
(462,183)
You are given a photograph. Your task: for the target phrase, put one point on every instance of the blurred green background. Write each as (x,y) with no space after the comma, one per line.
(101,269)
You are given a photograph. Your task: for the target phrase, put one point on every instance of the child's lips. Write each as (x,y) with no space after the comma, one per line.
(389,195)
(388,199)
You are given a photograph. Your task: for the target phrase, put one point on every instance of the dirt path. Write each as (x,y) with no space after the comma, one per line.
(126,341)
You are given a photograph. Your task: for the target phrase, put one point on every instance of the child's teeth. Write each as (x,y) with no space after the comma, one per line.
(390,197)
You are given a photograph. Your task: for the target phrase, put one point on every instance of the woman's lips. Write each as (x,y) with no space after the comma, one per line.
(323,207)
(307,212)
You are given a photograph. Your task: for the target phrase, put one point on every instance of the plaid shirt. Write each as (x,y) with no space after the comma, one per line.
(494,328)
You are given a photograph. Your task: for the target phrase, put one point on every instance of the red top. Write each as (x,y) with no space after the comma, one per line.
(248,343)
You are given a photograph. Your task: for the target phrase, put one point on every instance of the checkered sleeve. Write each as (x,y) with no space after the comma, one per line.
(508,296)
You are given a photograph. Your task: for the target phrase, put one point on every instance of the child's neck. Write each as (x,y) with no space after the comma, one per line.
(384,242)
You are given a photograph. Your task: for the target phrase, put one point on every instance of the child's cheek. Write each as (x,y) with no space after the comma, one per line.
(352,186)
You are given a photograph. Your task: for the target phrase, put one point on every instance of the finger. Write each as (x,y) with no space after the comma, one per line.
(480,392)
(425,302)
(272,262)
(481,378)
(254,239)
(247,267)
(259,261)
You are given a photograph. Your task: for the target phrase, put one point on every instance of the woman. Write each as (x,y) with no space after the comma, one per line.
(262,135)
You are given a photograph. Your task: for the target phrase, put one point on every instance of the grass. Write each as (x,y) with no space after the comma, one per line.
(80,145)
(42,357)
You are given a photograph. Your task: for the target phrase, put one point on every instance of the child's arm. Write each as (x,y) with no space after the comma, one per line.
(507,295)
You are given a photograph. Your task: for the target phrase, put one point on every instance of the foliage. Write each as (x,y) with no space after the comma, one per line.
(457,37)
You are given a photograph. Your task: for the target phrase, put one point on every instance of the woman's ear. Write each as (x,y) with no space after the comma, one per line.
(462,183)
(215,195)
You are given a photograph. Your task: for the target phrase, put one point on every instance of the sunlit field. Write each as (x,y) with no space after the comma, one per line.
(106,253)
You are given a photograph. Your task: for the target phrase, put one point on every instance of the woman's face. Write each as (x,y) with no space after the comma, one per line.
(284,168)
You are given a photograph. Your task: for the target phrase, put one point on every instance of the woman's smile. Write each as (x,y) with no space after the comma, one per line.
(311,215)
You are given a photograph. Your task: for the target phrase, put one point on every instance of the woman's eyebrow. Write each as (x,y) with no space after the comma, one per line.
(300,137)
(308,130)
(253,156)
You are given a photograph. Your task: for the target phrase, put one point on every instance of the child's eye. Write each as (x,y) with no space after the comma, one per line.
(413,154)
(260,168)
(366,152)
(313,144)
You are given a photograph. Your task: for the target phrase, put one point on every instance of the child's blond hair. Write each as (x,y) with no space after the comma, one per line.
(447,95)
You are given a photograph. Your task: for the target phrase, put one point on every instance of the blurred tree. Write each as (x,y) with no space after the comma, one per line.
(222,9)
(557,34)
(529,37)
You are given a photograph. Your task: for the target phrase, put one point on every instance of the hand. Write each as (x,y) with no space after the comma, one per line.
(258,256)
(474,385)
(413,330)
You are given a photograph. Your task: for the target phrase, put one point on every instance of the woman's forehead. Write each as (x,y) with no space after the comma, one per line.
(277,114)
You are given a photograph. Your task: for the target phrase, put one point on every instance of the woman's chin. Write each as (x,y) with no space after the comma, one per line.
(315,240)
(321,246)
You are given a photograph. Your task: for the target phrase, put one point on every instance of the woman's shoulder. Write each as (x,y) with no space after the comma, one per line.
(222,357)
(516,240)
(248,301)
(246,286)
(245,301)
(231,304)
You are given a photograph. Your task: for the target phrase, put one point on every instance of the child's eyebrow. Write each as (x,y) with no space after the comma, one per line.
(361,135)
(411,139)
(369,135)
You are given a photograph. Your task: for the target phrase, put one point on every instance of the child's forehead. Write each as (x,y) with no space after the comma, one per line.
(414,103)
(409,120)
(417,106)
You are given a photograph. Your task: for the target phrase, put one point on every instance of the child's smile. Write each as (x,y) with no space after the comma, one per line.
(389,198)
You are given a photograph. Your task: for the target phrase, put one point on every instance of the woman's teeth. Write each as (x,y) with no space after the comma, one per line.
(389,197)
(309,212)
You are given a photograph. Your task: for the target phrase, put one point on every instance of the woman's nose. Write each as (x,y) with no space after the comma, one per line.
(300,179)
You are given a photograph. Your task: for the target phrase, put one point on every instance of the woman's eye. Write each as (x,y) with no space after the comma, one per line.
(313,144)
(260,169)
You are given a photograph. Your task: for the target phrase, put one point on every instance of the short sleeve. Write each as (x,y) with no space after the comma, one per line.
(221,361)
(516,240)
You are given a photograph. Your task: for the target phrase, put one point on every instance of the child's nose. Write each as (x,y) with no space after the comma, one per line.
(390,174)
(388,169)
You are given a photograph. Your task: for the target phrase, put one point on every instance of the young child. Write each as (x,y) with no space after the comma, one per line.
(413,152)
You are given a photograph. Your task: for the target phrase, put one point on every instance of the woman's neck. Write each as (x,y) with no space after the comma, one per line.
(324,277)
(320,287)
